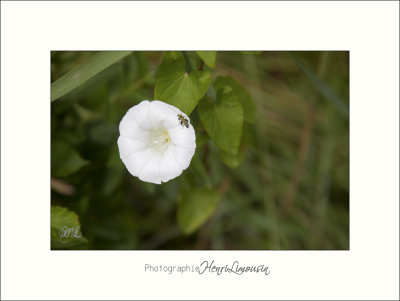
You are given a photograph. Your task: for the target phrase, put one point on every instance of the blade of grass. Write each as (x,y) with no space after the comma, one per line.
(85,71)
(322,87)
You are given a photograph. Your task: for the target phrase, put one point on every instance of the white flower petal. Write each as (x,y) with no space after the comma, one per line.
(171,121)
(141,115)
(183,155)
(136,161)
(150,172)
(130,129)
(169,168)
(129,146)
(159,111)
(183,136)
(177,111)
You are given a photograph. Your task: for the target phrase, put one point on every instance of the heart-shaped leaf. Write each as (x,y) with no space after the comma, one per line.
(195,207)
(177,87)
(249,108)
(208,57)
(65,229)
(232,160)
(223,120)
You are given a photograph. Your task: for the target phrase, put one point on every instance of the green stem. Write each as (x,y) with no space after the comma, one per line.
(189,67)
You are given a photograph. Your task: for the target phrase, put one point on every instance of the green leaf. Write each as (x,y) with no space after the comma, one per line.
(65,160)
(177,87)
(249,108)
(85,71)
(195,207)
(232,160)
(223,121)
(65,229)
(209,57)
(200,170)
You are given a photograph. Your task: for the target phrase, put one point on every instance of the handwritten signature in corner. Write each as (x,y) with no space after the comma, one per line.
(69,232)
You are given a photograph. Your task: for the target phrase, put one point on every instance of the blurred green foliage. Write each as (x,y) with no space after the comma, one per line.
(277,178)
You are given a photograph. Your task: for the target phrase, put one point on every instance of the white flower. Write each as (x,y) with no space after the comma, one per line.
(156,141)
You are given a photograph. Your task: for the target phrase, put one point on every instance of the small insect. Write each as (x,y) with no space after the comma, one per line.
(183,121)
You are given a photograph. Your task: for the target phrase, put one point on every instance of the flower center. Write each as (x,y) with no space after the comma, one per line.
(159,139)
